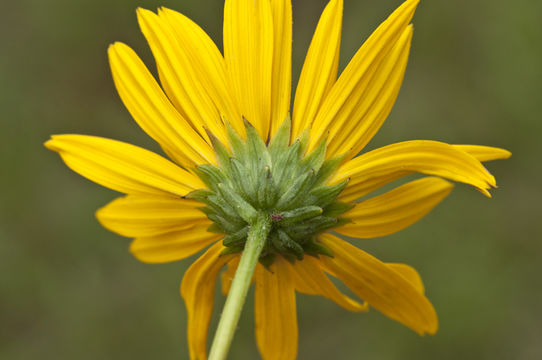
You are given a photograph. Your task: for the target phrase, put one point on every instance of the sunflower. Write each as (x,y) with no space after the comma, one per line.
(262,190)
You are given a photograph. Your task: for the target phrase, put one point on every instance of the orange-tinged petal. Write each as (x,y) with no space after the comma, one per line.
(310,279)
(281,81)
(275,312)
(197,289)
(207,62)
(345,101)
(377,168)
(395,210)
(142,216)
(153,111)
(123,167)
(248,51)
(180,76)
(484,153)
(380,285)
(319,71)
(173,246)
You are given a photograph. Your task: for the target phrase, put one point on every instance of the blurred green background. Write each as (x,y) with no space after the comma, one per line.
(70,290)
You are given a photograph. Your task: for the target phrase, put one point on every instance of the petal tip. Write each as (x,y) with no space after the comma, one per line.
(140,10)
(49,144)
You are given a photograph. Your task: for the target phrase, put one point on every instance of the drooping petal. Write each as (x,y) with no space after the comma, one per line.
(379,167)
(123,167)
(207,62)
(173,246)
(484,153)
(395,210)
(197,289)
(180,76)
(368,85)
(143,216)
(410,274)
(380,285)
(275,312)
(281,81)
(153,111)
(310,279)
(248,51)
(319,71)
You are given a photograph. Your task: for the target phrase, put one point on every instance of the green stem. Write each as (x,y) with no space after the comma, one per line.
(239,287)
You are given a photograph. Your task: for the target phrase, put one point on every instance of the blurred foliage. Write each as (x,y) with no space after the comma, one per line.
(70,290)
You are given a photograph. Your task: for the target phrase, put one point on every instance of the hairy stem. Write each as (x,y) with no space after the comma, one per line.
(239,287)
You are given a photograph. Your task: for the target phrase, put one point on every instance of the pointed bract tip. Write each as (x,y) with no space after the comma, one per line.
(247,123)
(211,136)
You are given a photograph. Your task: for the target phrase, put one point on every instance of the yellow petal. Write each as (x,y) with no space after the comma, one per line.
(248,51)
(282,62)
(380,285)
(123,167)
(368,108)
(368,84)
(381,166)
(484,153)
(319,71)
(227,275)
(310,279)
(141,216)
(410,274)
(180,77)
(360,188)
(275,312)
(173,246)
(395,210)
(197,289)
(153,111)
(207,62)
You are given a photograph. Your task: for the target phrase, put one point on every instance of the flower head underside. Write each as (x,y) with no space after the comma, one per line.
(236,154)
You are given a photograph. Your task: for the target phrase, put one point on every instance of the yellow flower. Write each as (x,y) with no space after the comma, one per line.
(176,208)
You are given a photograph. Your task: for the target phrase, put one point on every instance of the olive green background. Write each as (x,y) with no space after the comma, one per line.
(69,289)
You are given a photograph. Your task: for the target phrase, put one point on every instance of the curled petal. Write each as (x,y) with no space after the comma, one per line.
(395,210)
(310,279)
(380,285)
(410,274)
(379,167)
(484,153)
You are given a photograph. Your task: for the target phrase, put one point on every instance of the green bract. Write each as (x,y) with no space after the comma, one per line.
(277,181)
